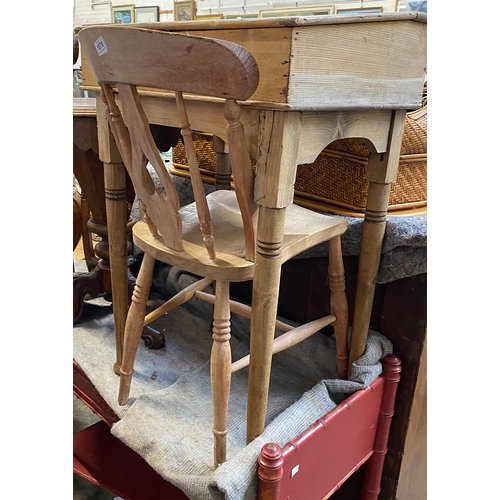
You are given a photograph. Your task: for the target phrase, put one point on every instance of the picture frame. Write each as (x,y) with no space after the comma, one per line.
(242,16)
(209,17)
(185,10)
(361,10)
(147,14)
(123,14)
(320,10)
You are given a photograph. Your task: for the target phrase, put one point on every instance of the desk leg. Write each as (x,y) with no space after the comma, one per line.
(369,260)
(381,172)
(116,209)
(264,308)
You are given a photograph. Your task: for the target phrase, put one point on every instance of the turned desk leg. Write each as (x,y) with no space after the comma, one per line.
(381,172)
(223,165)
(116,209)
(369,260)
(264,309)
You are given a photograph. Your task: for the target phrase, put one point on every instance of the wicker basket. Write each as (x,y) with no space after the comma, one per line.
(204,151)
(336,181)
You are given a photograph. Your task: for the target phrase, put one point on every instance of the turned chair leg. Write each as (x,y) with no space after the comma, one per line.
(220,369)
(338,304)
(134,326)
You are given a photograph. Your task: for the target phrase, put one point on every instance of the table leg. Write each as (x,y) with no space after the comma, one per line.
(381,172)
(279,134)
(115,189)
(116,209)
(264,308)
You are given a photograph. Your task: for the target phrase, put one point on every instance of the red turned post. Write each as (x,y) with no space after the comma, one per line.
(375,465)
(270,471)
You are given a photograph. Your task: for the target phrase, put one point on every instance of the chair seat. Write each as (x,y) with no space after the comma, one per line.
(303,229)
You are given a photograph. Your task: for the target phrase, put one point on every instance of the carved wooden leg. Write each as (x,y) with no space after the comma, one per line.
(116,209)
(88,247)
(133,326)
(338,304)
(220,369)
(264,308)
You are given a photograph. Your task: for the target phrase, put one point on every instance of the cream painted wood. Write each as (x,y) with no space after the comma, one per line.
(215,236)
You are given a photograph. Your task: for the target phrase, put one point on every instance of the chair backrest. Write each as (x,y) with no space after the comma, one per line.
(123,58)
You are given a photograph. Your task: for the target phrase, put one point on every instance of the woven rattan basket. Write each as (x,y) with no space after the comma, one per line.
(336,181)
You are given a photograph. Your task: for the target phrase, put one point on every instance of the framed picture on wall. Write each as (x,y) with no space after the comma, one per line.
(185,10)
(147,14)
(123,14)
(350,12)
(242,16)
(322,10)
(209,17)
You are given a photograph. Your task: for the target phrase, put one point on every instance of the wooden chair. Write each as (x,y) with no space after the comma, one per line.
(214,237)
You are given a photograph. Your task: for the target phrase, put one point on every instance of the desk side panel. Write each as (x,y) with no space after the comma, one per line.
(359,65)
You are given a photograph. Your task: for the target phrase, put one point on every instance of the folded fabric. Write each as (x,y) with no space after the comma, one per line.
(168,420)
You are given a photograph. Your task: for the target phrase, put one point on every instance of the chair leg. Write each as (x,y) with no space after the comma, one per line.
(134,326)
(220,369)
(338,304)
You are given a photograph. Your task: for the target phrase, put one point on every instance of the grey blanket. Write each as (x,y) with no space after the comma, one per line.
(168,419)
(404,251)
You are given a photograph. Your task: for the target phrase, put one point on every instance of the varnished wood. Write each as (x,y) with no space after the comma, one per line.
(215,236)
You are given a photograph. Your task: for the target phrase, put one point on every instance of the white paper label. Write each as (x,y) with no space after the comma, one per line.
(294,470)
(101,46)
